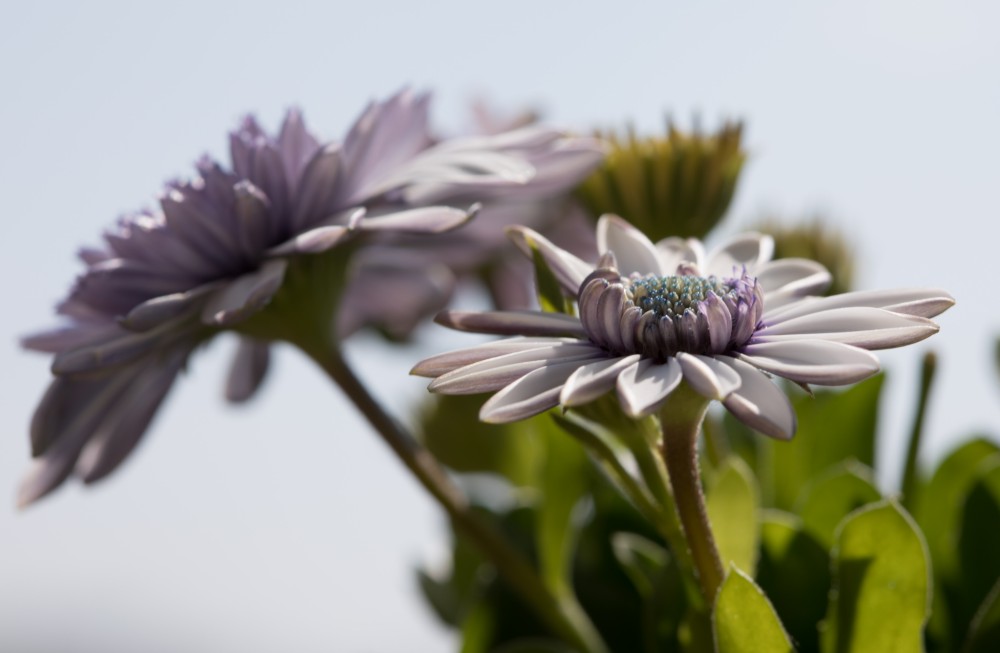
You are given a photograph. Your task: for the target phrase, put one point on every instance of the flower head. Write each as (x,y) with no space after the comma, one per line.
(261,248)
(652,316)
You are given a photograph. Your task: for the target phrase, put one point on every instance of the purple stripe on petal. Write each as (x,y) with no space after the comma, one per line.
(505,323)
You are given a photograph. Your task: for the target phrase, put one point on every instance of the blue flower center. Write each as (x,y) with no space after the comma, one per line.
(670,296)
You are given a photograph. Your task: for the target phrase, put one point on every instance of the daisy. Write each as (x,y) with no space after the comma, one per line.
(653,315)
(260,247)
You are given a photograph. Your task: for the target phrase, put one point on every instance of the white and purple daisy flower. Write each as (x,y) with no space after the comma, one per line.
(654,315)
(222,247)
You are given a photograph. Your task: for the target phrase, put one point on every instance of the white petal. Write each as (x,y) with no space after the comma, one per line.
(569,270)
(921,302)
(871,328)
(709,377)
(531,394)
(635,253)
(759,403)
(591,381)
(426,220)
(245,295)
(494,373)
(525,323)
(744,250)
(792,276)
(673,251)
(813,361)
(644,386)
(437,365)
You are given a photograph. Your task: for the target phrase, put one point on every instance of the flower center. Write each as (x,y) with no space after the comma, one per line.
(660,316)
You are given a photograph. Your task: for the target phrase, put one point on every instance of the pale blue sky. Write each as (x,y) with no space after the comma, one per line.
(285,525)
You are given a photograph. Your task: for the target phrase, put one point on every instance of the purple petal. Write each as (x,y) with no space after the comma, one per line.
(708,377)
(591,381)
(813,361)
(569,270)
(248,368)
(508,323)
(159,310)
(920,302)
(245,295)
(870,328)
(635,253)
(759,403)
(442,363)
(318,189)
(426,220)
(313,241)
(532,394)
(644,386)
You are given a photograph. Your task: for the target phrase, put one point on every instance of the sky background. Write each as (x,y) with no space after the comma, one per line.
(286,524)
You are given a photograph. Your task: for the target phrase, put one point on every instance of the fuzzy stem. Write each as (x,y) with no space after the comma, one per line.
(572,624)
(681,420)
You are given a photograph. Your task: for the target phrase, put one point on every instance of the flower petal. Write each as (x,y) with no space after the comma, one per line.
(759,403)
(442,363)
(674,251)
(871,328)
(248,368)
(128,422)
(920,302)
(507,323)
(313,241)
(747,250)
(530,395)
(569,270)
(708,377)
(245,295)
(591,381)
(425,220)
(159,310)
(634,251)
(812,361)
(792,276)
(644,386)
(492,374)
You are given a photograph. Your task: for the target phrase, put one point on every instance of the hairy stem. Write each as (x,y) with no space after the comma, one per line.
(571,624)
(680,421)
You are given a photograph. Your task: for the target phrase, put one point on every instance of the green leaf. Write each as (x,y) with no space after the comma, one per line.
(744,621)
(451,430)
(939,504)
(550,294)
(833,495)
(733,504)
(794,572)
(562,482)
(833,427)
(978,548)
(478,628)
(881,597)
(984,634)
(642,560)
(534,646)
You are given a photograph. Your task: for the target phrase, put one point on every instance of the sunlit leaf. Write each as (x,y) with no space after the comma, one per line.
(831,496)
(744,621)
(794,572)
(939,504)
(733,503)
(833,427)
(881,596)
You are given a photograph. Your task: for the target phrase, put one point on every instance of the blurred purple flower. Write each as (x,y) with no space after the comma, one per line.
(222,246)
(651,316)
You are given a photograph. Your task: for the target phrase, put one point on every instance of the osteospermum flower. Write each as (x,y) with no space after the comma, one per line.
(232,247)
(652,316)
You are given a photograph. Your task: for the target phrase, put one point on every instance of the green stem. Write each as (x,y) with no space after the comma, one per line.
(680,420)
(909,486)
(571,624)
